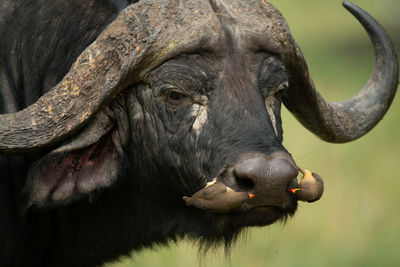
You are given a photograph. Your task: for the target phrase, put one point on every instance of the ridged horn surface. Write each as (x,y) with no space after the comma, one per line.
(143,36)
(340,122)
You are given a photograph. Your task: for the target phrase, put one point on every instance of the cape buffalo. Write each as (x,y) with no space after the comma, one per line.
(114,110)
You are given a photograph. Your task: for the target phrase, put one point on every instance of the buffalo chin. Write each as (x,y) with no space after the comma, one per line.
(260,216)
(230,226)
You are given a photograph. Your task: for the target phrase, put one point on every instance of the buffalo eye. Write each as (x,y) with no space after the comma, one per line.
(281,90)
(174,98)
(273,77)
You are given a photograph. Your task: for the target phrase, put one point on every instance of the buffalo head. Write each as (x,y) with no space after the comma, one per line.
(175,93)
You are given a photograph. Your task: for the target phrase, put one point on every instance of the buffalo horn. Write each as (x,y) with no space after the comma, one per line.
(143,36)
(340,122)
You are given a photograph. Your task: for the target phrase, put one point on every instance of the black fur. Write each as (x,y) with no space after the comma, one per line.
(160,155)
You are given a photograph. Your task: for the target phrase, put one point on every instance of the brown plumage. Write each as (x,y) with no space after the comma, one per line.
(217,197)
(311,187)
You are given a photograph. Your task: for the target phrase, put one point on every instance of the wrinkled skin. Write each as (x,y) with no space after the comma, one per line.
(181,162)
(116,184)
(229,144)
(158,143)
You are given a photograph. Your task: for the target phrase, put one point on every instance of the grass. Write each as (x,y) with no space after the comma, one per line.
(357,222)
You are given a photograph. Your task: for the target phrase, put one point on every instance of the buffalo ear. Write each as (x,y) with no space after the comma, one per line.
(81,166)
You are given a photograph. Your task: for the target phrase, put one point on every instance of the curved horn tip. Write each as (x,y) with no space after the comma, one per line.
(355,10)
(350,6)
(347,4)
(330,122)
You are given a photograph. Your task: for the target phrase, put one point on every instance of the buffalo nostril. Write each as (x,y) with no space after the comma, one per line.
(267,175)
(245,185)
(250,168)
(247,172)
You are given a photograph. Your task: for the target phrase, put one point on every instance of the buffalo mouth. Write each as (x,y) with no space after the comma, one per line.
(252,213)
(258,216)
(254,190)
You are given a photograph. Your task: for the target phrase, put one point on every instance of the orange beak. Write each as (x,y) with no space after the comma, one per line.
(294,190)
(251,195)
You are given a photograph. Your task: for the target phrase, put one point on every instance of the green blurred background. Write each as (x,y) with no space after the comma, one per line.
(357,222)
